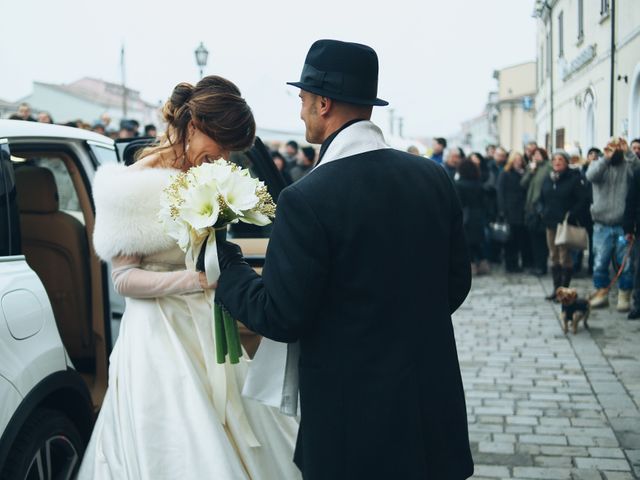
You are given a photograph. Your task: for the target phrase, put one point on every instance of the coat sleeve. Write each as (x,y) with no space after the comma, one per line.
(525,181)
(631,205)
(595,172)
(283,302)
(459,262)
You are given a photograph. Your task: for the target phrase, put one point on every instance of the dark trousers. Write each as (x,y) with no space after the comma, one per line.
(578,256)
(515,250)
(636,274)
(539,249)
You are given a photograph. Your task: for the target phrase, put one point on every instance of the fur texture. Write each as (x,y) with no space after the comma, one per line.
(127,204)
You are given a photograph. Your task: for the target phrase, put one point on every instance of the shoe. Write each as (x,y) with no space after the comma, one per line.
(634,314)
(556,275)
(600,299)
(624,301)
(484,268)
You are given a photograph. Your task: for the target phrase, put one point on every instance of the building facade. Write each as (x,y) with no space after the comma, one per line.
(509,117)
(88,98)
(588,72)
(514,105)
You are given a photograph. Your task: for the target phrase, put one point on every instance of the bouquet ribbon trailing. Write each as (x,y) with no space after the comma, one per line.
(226,334)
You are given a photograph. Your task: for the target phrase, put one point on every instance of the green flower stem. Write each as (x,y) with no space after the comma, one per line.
(233,337)
(221,339)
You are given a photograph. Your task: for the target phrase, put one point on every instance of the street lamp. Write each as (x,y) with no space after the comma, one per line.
(201,57)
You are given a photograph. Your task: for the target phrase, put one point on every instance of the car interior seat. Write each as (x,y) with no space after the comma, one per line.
(56,247)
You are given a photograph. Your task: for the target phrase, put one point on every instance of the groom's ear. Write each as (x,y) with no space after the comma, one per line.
(326,104)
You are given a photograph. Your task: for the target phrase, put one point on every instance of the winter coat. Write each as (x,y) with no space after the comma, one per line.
(631,220)
(474,209)
(511,197)
(533,181)
(376,402)
(610,187)
(567,194)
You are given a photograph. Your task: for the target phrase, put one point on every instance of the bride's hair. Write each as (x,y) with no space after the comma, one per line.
(216,108)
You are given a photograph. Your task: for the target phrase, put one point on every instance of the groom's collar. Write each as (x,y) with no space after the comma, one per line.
(327,142)
(354,137)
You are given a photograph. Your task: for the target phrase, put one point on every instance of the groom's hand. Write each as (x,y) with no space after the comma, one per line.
(228,253)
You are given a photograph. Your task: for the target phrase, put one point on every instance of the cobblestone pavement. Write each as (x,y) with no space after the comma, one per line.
(543,405)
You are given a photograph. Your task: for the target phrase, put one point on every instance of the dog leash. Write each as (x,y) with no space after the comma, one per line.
(627,254)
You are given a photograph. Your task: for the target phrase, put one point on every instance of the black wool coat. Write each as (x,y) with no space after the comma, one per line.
(366,263)
(474,202)
(568,194)
(511,197)
(631,221)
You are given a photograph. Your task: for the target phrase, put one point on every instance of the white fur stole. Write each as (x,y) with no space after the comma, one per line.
(127,203)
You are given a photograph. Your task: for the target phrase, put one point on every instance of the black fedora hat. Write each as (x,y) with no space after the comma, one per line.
(343,71)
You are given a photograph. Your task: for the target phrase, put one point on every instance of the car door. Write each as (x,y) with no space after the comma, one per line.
(31,346)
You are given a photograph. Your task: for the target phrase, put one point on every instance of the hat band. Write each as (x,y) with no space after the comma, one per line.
(340,83)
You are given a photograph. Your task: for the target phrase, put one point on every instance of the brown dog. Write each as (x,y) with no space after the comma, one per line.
(574,309)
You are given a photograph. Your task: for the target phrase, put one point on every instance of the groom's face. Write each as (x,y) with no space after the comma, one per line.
(310,117)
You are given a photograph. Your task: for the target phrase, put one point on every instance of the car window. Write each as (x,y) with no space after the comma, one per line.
(67,197)
(104,154)
(9,219)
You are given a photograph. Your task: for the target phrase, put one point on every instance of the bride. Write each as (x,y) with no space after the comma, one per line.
(172,412)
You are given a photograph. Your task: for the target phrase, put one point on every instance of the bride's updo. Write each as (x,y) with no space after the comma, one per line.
(217,109)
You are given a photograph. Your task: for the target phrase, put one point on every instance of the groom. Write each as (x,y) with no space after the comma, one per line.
(366,263)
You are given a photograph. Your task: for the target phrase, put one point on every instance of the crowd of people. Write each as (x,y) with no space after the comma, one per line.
(525,193)
(128,128)
(529,194)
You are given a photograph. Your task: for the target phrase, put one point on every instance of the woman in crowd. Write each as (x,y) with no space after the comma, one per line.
(511,200)
(488,180)
(563,191)
(536,173)
(472,197)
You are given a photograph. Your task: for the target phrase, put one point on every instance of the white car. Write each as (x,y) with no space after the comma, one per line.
(59,314)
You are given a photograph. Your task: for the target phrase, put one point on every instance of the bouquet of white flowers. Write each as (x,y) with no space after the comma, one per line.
(206,199)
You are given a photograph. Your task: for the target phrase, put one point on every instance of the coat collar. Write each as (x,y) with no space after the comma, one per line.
(360,137)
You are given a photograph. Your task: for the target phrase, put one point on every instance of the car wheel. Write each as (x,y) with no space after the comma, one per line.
(49,446)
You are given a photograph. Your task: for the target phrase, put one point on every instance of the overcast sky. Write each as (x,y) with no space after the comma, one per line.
(436,57)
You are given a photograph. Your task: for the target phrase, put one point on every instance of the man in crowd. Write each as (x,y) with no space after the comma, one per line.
(304,166)
(44,117)
(453,158)
(105,120)
(610,177)
(150,130)
(499,161)
(631,231)
(529,149)
(291,150)
(127,129)
(635,146)
(24,112)
(439,144)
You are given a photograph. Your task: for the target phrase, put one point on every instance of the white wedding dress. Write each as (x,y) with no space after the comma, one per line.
(171,411)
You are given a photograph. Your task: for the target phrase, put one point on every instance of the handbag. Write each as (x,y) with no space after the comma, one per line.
(574,237)
(499,232)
